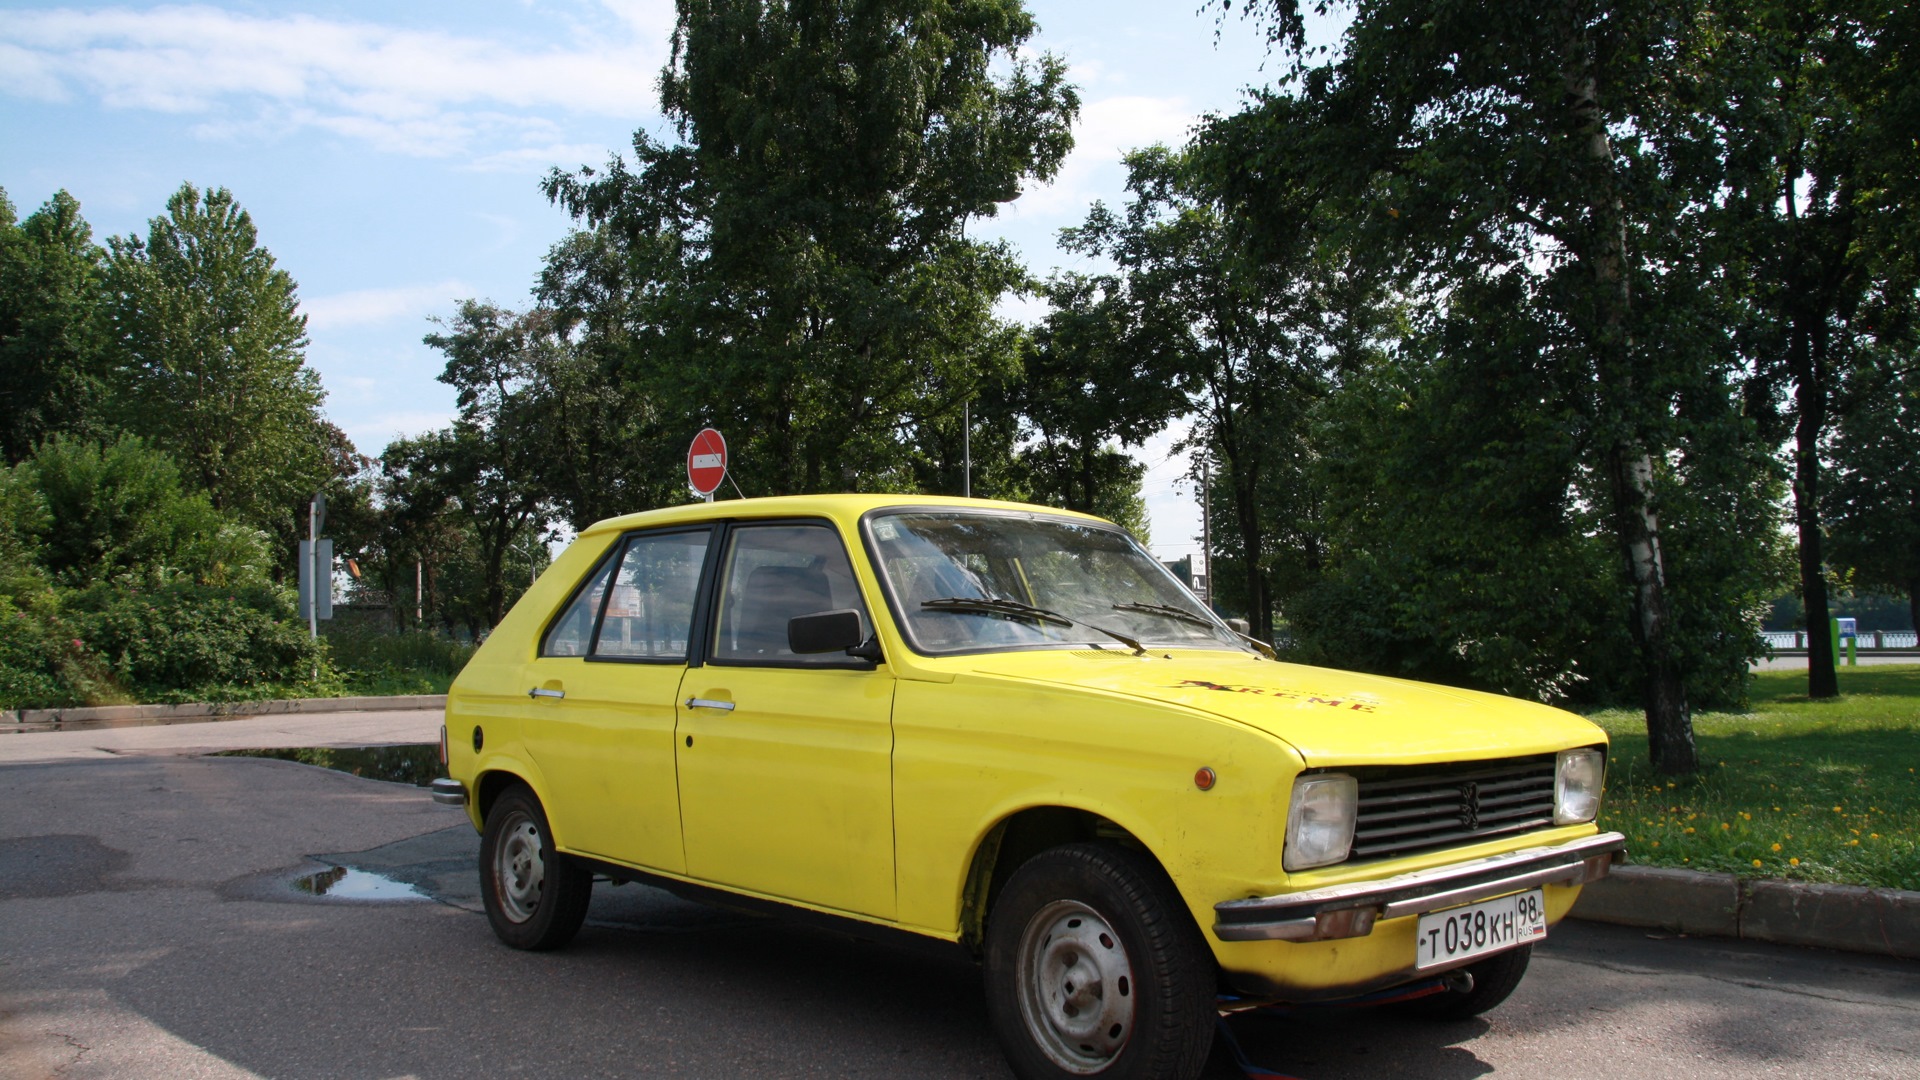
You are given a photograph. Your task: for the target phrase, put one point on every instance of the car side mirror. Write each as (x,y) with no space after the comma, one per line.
(824,632)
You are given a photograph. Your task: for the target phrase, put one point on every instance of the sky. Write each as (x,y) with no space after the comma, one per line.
(390,154)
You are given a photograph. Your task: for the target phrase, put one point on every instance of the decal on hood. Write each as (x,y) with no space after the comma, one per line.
(1351,702)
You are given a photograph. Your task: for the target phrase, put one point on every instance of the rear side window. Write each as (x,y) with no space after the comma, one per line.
(569,634)
(647,613)
(650,608)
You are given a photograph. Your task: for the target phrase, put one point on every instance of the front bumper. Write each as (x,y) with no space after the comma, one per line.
(1345,911)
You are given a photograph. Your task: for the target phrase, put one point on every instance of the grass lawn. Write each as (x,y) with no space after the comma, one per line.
(1813,791)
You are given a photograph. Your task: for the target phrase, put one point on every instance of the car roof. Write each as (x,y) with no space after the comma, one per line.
(845,508)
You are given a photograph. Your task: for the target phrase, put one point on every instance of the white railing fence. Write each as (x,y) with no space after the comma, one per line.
(1869,639)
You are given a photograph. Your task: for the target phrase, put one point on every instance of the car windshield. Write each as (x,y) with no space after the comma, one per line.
(964,582)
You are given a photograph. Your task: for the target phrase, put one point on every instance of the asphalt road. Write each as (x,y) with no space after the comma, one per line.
(148,928)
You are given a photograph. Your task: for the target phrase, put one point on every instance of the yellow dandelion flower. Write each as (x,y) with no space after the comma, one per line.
(1776,847)
(1837,810)
(1756,862)
(1689,830)
(1656,843)
(1724,826)
(1793,862)
(1873,836)
(1853,843)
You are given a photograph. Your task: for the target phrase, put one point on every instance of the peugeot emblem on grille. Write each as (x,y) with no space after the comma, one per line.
(1470,805)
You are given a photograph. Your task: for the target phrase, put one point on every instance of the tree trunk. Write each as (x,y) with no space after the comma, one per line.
(1809,393)
(1629,462)
(1913,607)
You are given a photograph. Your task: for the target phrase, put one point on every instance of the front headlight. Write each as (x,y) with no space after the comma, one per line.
(1576,785)
(1320,820)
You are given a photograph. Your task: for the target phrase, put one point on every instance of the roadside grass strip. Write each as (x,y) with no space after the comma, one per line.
(1821,791)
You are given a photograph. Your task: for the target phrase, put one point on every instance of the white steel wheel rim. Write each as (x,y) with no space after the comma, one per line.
(1076,987)
(518,869)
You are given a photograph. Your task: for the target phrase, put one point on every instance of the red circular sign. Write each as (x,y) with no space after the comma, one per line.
(707,461)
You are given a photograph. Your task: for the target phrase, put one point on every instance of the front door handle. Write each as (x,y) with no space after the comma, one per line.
(541,691)
(709,703)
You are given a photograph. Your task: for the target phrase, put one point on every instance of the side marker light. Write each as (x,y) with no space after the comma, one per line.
(1205,778)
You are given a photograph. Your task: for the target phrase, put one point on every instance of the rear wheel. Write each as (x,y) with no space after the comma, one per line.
(1094,968)
(1493,979)
(536,898)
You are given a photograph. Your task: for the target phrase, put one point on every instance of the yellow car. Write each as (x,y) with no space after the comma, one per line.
(1009,728)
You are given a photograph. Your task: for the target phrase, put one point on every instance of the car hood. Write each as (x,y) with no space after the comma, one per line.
(1330,717)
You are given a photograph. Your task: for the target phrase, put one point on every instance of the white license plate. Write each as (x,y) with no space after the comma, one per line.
(1478,929)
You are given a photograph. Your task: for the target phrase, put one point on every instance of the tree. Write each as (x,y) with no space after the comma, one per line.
(1086,384)
(1249,343)
(1873,504)
(1810,108)
(51,326)
(488,461)
(1485,139)
(209,360)
(802,247)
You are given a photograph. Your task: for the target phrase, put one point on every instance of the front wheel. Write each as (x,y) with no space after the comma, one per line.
(536,898)
(1094,968)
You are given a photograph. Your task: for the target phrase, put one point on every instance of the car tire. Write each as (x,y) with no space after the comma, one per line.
(1493,980)
(536,898)
(1095,968)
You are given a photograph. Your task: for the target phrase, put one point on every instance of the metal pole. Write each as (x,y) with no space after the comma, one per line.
(966,445)
(1206,524)
(313,569)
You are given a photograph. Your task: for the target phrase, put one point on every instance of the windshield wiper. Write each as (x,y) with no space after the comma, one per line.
(986,605)
(1186,616)
(1180,614)
(1014,609)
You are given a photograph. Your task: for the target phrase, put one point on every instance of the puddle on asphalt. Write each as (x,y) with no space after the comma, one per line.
(345,883)
(417,764)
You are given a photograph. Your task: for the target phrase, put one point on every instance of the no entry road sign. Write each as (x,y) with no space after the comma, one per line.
(707,461)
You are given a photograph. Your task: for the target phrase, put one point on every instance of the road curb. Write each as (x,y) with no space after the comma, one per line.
(99,716)
(1884,922)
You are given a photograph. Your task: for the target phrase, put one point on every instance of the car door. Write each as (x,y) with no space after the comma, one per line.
(601,725)
(786,760)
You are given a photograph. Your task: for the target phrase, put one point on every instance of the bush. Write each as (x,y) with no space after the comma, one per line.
(186,642)
(120,511)
(376,662)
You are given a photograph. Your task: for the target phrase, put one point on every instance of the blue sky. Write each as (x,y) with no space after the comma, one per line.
(390,153)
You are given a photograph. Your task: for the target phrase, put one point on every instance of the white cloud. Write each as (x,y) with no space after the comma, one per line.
(1108,129)
(367,307)
(423,92)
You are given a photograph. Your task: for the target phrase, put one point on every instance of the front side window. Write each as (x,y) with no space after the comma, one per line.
(964,582)
(772,574)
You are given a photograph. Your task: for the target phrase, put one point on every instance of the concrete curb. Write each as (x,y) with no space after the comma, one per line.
(1884,922)
(26,720)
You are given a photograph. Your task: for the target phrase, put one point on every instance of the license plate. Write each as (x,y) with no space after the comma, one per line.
(1478,929)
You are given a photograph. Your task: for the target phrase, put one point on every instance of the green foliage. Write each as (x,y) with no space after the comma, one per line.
(1874,502)
(121,512)
(795,269)
(410,662)
(182,641)
(52,329)
(209,363)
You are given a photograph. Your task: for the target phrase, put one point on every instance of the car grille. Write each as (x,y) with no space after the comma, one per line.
(1410,809)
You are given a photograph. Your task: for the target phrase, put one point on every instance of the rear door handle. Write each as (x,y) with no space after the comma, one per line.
(709,703)
(541,691)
